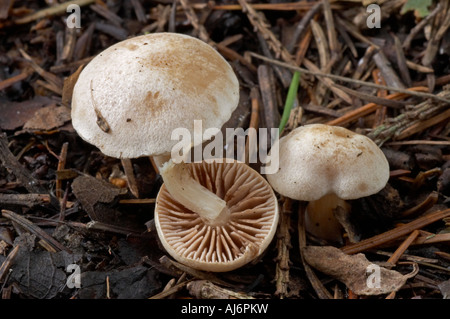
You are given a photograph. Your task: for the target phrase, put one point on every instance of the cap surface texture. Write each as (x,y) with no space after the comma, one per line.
(318,159)
(130,97)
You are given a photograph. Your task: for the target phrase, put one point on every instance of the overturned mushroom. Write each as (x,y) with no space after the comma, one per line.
(327,165)
(234,238)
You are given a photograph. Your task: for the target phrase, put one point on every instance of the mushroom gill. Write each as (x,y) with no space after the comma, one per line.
(251,224)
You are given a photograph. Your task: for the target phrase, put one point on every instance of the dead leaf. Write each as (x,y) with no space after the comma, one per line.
(16,114)
(135,282)
(69,84)
(38,273)
(48,118)
(355,271)
(93,194)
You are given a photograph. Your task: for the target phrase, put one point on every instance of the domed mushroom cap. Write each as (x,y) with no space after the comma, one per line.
(318,159)
(129,98)
(229,245)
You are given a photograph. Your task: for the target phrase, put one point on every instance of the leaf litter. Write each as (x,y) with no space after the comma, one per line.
(355,271)
(102,221)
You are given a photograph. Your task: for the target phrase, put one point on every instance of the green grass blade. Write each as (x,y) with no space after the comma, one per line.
(290,99)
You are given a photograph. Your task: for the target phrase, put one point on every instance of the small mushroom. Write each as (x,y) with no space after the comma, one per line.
(327,165)
(132,96)
(231,241)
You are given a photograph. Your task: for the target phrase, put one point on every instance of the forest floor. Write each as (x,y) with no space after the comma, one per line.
(69,210)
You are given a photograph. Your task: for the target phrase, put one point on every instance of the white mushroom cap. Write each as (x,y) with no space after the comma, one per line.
(318,159)
(252,222)
(129,98)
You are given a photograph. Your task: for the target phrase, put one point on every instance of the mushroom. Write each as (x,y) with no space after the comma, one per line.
(132,96)
(225,244)
(326,166)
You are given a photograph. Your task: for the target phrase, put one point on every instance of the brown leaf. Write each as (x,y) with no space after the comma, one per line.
(93,194)
(355,271)
(69,83)
(40,274)
(48,118)
(15,114)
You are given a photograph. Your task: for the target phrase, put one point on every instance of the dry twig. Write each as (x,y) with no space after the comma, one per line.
(283,246)
(436,97)
(395,233)
(36,230)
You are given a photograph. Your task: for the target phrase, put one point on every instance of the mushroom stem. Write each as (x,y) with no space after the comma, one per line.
(159,160)
(320,220)
(195,197)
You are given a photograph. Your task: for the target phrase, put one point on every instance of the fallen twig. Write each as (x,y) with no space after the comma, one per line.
(61,165)
(7,263)
(14,79)
(27,200)
(171,290)
(283,246)
(250,148)
(317,285)
(421,112)
(420,26)
(259,23)
(200,28)
(131,179)
(34,229)
(291,6)
(369,108)
(10,162)
(423,125)
(431,199)
(403,247)
(350,80)
(395,233)
(204,289)
(166,261)
(51,11)
(266,83)
(56,82)
(302,26)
